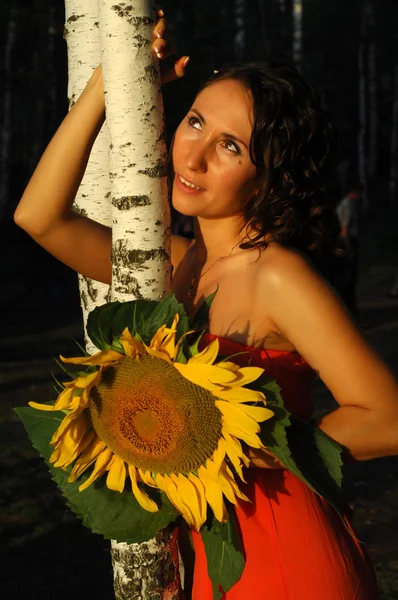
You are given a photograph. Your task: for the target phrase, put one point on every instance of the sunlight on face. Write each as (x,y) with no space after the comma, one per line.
(214,176)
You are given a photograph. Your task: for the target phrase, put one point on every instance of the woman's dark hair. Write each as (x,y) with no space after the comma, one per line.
(291,146)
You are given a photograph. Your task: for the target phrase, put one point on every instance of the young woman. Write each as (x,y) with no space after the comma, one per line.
(251,166)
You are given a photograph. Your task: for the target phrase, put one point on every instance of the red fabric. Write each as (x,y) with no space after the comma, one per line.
(296,547)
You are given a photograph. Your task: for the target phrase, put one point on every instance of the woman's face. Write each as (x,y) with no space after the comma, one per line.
(211,152)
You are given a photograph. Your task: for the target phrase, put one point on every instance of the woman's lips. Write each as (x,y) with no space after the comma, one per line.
(186,188)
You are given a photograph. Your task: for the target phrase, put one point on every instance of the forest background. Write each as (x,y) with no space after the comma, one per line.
(349,52)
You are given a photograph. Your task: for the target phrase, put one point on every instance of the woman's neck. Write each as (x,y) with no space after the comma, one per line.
(215,238)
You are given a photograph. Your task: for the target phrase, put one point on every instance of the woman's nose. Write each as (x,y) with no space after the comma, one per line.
(196,158)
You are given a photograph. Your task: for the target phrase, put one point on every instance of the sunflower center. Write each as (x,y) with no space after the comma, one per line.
(147,423)
(154,418)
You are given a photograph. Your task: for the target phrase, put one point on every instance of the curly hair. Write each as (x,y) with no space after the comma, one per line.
(292,147)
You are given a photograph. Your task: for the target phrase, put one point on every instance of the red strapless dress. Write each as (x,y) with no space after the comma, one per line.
(296,547)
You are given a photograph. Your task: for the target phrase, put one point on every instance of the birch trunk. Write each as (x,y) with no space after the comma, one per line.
(84,54)
(373,88)
(394,143)
(362,109)
(297,14)
(140,228)
(5,131)
(240,34)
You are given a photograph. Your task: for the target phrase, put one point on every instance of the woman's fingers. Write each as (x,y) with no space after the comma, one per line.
(159,29)
(174,71)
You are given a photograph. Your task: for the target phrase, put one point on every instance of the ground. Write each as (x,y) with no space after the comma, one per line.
(46,553)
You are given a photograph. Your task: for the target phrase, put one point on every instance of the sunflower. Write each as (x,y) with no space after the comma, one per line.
(177,426)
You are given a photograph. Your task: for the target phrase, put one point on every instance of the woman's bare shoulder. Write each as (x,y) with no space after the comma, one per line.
(278,262)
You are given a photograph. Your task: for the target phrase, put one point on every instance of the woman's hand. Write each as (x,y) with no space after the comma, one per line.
(168,71)
(264,459)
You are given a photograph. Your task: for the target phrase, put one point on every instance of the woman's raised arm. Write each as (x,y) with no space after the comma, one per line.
(45,209)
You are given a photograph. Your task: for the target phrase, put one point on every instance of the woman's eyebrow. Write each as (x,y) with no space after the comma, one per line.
(230,136)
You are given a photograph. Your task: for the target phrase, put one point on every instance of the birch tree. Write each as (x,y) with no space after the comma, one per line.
(362,106)
(5,131)
(297,14)
(394,142)
(240,32)
(84,54)
(372,93)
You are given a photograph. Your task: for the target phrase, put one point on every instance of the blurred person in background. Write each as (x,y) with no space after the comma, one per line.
(348,211)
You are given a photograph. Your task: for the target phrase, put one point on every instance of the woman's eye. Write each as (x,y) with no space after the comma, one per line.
(232,147)
(194,122)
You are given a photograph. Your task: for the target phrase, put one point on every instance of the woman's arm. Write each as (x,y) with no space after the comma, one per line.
(306,311)
(45,209)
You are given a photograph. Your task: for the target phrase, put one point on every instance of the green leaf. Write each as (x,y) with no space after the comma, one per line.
(163,314)
(113,515)
(127,313)
(305,450)
(201,318)
(99,325)
(224,551)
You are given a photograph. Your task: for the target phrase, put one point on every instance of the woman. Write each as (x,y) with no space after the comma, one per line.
(250,165)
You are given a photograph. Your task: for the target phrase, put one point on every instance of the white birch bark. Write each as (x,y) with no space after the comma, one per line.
(393,187)
(372,94)
(5,130)
(240,35)
(140,227)
(362,109)
(84,54)
(297,15)
(138,156)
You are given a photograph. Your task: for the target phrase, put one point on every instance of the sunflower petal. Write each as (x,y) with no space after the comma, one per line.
(200,490)
(213,494)
(71,442)
(234,415)
(225,364)
(235,453)
(100,466)
(131,346)
(168,486)
(194,377)
(207,356)
(189,497)
(87,458)
(117,474)
(251,439)
(247,375)
(101,358)
(88,381)
(146,477)
(229,478)
(142,498)
(238,394)
(258,413)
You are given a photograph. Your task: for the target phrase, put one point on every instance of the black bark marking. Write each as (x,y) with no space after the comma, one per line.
(125,145)
(80,211)
(108,297)
(127,202)
(162,136)
(96,24)
(151,75)
(107,195)
(65,33)
(91,290)
(84,299)
(158,171)
(140,41)
(158,223)
(75,18)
